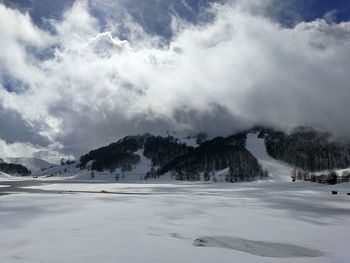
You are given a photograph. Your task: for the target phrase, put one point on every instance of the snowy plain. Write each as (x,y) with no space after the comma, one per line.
(154,221)
(161,222)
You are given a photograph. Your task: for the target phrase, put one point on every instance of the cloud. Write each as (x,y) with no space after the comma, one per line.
(239,69)
(16,149)
(15,129)
(18,35)
(330,16)
(20,149)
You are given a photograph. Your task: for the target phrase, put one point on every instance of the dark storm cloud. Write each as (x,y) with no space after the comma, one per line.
(15,129)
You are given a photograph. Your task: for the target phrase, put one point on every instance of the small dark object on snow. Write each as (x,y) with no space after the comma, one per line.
(200,245)
(200,242)
(348,193)
(104,191)
(334,192)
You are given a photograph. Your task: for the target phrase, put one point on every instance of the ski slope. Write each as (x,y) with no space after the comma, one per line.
(277,169)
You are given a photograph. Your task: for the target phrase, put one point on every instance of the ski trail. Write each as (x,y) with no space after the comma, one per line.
(277,170)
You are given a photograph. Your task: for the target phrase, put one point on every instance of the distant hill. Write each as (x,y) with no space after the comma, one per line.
(33,164)
(13,169)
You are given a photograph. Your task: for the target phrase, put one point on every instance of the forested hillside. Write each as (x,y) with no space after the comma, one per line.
(168,154)
(303,148)
(13,169)
(162,150)
(307,149)
(218,154)
(120,154)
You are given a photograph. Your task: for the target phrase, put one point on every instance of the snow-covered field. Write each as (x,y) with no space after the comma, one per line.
(76,218)
(4,175)
(7,177)
(243,222)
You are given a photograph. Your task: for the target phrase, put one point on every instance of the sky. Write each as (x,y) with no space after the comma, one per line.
(76,75)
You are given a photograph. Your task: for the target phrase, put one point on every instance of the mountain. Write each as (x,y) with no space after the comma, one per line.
(196,157)
(170,155)
(307,149)
(218,154)
(35,165)
(13,169)
(120,154)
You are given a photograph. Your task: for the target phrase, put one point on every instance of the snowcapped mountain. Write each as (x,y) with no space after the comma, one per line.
(243,156)
(148,156)
(33,164)
(246,156)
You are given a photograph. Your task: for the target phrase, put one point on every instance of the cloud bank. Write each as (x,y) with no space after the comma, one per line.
(83,85)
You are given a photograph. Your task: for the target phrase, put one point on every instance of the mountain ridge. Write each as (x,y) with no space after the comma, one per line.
(197,157)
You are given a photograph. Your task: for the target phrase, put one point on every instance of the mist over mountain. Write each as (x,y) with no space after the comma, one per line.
(174,131)
(195,157)
(76,75)
(32,164)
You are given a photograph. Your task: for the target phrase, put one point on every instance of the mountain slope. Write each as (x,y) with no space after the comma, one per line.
(277,169)
(13,169)
(216,155)
(120,154)
(33,164)
(153,156)
(242,156)
(307,148)
(5,176)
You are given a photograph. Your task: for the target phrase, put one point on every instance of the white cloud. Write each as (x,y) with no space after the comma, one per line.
(97,87)
(18,35)
(19,149)
(330,16)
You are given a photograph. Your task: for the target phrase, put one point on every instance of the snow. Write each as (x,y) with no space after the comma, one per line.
(243,222)
(60,170)
(5,176)
(71,172)
(139,170)
(137,173)
(277,169)
(163,220)
(259,248)
(114,187)
(339,172)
